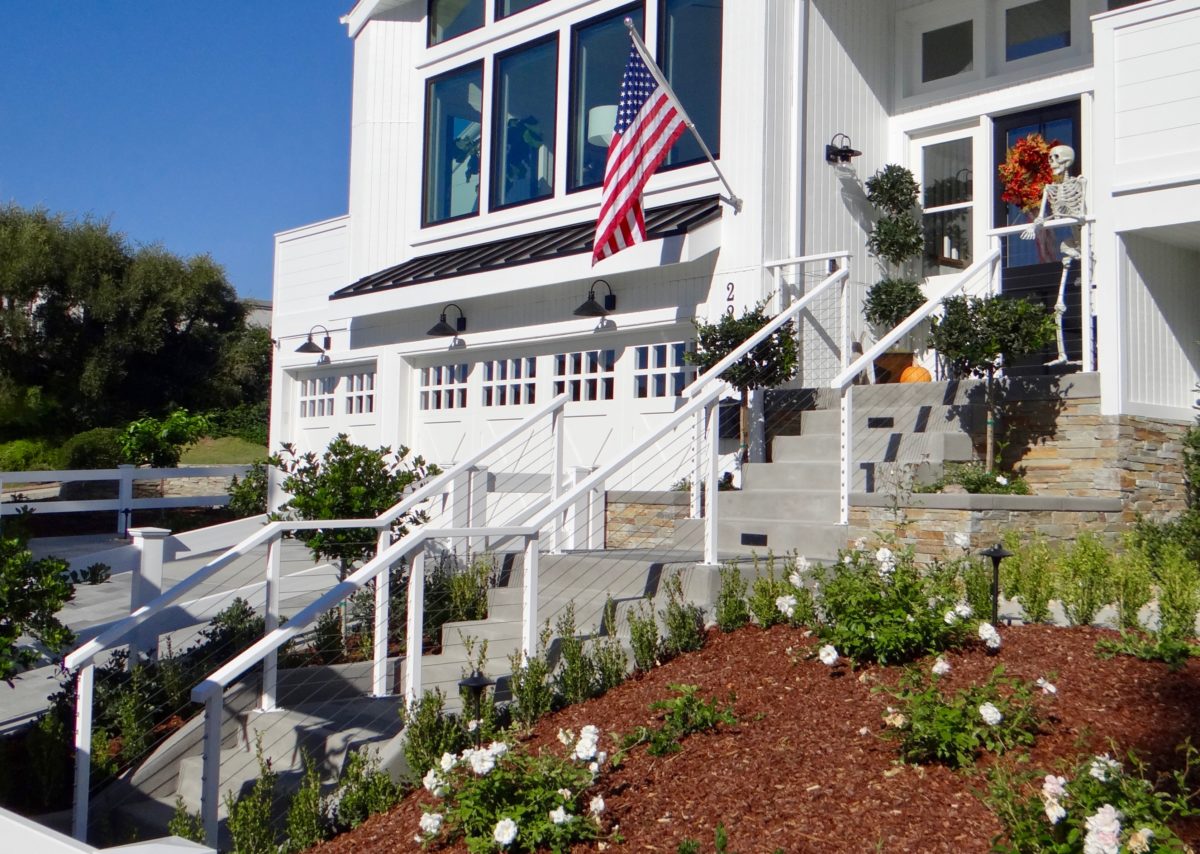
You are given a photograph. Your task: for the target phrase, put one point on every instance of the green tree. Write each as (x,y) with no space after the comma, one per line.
(160,443)
(31,593)
(977,335)
(348,481)
(767,365)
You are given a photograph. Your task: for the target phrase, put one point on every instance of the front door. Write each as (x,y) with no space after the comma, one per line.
(1032,268)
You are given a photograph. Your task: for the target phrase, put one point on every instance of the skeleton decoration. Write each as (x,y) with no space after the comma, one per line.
(1065,199)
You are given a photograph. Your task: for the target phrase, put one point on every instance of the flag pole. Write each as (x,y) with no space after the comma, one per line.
(656,72)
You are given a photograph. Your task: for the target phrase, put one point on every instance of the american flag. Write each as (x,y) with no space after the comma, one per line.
(649,120)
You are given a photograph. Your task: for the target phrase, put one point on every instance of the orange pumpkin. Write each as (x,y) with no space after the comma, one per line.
(915,374)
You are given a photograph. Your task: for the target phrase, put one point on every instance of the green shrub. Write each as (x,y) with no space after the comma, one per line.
(307,819)
(952,730)
(643,637)
(27,455)
(95,573)
(429,731)
(1085,579)
(248,421)
(31,593)
(765,591)
(1052,812)
(891,300)
(732,611)
(612,664)
(1178,581)
(532,695)
(135,714)
(1030,575)
(1131,581)
(329,642)
(98,448)
(185,824)
(250,814)
(682,716)
(160,442)
(880,606)
(977,584)
(364,790)
(248,496)
(575,679)
(683,622)
(976,479)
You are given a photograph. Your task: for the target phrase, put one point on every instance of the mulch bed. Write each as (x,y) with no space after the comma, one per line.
(796,773)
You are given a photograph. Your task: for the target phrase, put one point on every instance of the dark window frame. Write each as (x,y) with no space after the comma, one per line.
(429,42)
(572,98)
(659,57)
(500,16)
(429,82)
(497,130)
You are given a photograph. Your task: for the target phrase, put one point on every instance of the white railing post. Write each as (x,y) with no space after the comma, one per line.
(270,623)
(1085,299)
(597,507)
(383,594)
(579,516)
(994,282)
(85,683)
(477,517)
(210,779)
(696,509)
(846,451)
(844,297)
(147,582)
(557,473)
(529,599)
(711,478)
(124,498)
(460,502)
(416,624)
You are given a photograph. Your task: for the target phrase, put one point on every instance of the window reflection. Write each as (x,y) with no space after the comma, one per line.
(523,148)
(1036,27)
(451,18)
(691,61)
(452,140)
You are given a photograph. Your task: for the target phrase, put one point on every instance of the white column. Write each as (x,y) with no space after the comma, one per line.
(711,477)
(383,595)
(416,623)
(147,582)
(85,683)
(477,501)
(579,514)
(529,599)
(270,623)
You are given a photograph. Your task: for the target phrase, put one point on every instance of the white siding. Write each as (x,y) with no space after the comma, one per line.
(1157,99)
(1160,286)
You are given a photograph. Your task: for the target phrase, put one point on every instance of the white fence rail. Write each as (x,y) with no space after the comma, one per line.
(15,502)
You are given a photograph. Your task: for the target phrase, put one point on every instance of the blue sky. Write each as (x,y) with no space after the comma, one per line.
(206,126)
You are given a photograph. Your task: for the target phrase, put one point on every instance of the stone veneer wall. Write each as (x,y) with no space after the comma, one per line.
(643,519)
(933,521)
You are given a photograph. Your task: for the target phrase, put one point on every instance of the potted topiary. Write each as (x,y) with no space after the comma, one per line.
(895,240)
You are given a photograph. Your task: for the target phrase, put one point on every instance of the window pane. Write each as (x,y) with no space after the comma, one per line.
(597,66)
(947,242)
(523,150)
(452,136)
(947,173)
(1036,28)
(691,59)
(450,18)
(947,51)
(504,8)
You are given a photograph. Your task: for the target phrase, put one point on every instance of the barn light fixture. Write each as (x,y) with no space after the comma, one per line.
(836,154)
(591,308)
(443,328)
(311,346)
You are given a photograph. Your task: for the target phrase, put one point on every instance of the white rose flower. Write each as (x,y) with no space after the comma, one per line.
(449,760)
(989,635)
(558,815)
(802,564)
(950,617)
(505,832)
(847,560)
(1054,810)
(585,749)
(1047,687)
(565,737)
(1102,766)
(963,610)
(828,655)
(1002,480)
(860,544)
(993,642)
(941,667)
(795,580)
(433,783)
(431,822)
(565,794)
(482,762)
(1139,843)
(990,714)
(472,726)
(596,806)
(1054,786)
(786,605)
(1103,831)
(497,749)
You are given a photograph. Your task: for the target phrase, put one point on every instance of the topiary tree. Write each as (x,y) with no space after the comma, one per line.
(31,593)
(348,481)
(976,336)
(771,363)
(895,240)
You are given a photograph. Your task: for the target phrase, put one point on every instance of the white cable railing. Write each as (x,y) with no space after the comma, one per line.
(84,657)
(842,382)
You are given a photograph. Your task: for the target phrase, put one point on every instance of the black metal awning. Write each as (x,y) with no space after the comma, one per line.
(667,221)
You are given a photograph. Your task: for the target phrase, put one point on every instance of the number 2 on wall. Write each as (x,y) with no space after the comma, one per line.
(729,298)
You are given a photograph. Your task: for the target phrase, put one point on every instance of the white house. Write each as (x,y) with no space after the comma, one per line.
(478,140)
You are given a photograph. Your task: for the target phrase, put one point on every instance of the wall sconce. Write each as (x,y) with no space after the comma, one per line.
(591,308)
(311,346)
(836,154)
(443,328)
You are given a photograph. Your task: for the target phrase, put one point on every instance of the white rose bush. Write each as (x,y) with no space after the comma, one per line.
(503,798)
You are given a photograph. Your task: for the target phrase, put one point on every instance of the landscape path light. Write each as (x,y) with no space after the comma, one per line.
(997,553)
(474,685)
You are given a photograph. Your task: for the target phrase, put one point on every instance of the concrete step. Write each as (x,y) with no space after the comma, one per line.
(808,505)
(806,448)
(806,474)
(815,421)
(814,540)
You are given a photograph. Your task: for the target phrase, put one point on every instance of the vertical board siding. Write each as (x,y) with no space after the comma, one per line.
(1161,326)
(1157,98)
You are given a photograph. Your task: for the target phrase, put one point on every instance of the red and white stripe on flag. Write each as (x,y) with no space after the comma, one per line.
(648,123)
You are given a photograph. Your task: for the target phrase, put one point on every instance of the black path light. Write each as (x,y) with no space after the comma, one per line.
(474,685)
(443,328)
(592,308)
(997,553)
(311,346)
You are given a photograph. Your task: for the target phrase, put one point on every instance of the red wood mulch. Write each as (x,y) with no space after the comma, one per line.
(796,774)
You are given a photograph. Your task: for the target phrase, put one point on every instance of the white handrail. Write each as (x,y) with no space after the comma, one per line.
(88,651)
(766,331)
(909,323)
(809,259)
(1062,222)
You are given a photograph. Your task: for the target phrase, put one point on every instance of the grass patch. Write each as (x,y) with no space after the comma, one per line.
(228,450)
